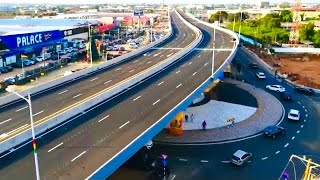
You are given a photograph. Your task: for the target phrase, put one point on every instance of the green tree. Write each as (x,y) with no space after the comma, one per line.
(220,15)
(306,32)
(94,50)
(286,16)
(316,38)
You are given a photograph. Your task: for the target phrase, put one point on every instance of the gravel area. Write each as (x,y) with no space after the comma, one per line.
(264,116)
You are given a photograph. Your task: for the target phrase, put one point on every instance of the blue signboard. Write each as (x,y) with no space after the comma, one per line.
(29,39)
(138,12)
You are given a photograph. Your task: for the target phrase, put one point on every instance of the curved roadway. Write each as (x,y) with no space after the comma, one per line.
(270,156)
(52,102)
(76,149)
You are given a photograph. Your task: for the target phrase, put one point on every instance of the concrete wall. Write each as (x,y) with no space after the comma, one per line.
(97,98)
(297,50)
(110,166)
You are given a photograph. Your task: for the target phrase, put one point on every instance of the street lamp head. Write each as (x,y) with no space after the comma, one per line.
(10,90)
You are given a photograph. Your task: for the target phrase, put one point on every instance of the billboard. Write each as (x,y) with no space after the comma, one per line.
(29,39)
(138,12)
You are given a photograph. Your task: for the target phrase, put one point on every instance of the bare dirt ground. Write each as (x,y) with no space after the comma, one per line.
(301,69)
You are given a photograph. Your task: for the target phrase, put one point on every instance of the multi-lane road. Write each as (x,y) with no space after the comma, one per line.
(15,117)
(75,150)
(270,156)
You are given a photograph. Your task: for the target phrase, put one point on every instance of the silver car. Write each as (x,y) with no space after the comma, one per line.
(240,157)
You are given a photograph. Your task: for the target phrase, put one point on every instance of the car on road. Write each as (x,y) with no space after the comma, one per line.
(273,131)
(276,88)
(240,157)
(253,65)
(294,115)
(10,80)
(260,75)
(304,90)
(286,96)
(3,70)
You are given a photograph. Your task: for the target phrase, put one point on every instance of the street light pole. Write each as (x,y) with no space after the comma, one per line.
(151,34)
(213,49)
(240,24)
(34,144)
(89,30)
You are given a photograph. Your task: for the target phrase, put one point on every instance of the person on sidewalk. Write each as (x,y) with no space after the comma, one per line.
(233,123)
(204,125)
(186,117)
(191,118)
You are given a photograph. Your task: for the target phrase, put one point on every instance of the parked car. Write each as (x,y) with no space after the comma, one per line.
(109,48)
(9,68)
(122,49)
(240,157)
(276,88)
(3,70)
(273,131)
(115,48)
(286,96)
(39,58)
(304,90)
(294,115)
(260,75)
(62,52)
(9,80)
(253,65)
(28,62)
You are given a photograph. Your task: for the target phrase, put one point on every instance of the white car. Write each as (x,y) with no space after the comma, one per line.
(240,157)
(294,115)
(260,75)
(276,88)
(39,58)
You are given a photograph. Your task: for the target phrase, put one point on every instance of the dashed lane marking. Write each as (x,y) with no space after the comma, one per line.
(303,107)
(118,69)
(277,152)
(286,145)
(293,138)
(124,124)
(190,63)
(181,159)
(131,70)
(194,73)
(306,115)
(5,121)
(204,161)
(205,64)
(22,108)
(137,98)
(107,82)
(160,83)
(55,147)
(148,62)
(305,110)
(62,92)
(225,161)
(305,120)
(77,96)
(103,118)
(298,132)
(178,85)
(93,79)
(78,156)
(302,126)
(178,72)
(264,158)
(299,102)
(38,113)
(156,102)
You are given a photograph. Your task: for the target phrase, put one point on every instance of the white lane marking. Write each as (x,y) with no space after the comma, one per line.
(94,79)
(161,55)
(178,72)
(305,120)
(160,83)
(55,147)
(131,70)
(38,113)
(305,110)
(181,159)
(306,115)
(293,138)
(264,158)
(118,69)
(199,56)
(5,121)
(286,145)
(136,98)
(77,96)
(303,107)
(135,61)
(156,55)
(174,176)
(124,124)
(78,156)
(204,161)
(156,102)
(190,63)
(169,55)
(298,132)
(194,73)
(225,161)
(22,108)
(62,92)
(104,118)
(302,126)
(277,152)
(299,102)
(107,82)
(205,64)
(178,85)
(148,62)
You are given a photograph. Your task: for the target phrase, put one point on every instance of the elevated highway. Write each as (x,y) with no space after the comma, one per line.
(97,142)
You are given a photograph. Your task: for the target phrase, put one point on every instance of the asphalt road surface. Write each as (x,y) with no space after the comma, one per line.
(59,99)
(270,156)
(76,149)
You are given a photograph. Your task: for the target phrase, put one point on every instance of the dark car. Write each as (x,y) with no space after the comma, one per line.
(304,90)
(253,65)
(286,96)
(3,70)
(273,131)
(9,68)
(10,80)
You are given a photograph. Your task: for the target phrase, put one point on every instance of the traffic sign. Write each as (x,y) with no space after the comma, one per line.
(164,156)
(138,12)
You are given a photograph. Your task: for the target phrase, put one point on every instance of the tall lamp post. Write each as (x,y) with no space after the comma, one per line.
(34,144)
(89,31)
(213,49)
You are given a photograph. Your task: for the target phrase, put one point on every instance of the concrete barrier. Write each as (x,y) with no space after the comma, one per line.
(110,166)
(63,80)
(43,125)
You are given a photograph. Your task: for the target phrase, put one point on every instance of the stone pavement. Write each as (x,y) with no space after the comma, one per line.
(269,112)
(208,112)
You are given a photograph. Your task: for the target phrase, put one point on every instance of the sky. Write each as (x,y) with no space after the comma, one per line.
(146,1)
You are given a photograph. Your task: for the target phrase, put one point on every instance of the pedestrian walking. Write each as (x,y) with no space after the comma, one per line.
(204,125)
(233,123)
(191,118)
(186,117)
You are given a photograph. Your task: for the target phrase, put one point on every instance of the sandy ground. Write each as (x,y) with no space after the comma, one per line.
(301,69)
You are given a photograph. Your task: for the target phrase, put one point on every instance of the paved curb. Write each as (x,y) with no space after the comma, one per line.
(208,133)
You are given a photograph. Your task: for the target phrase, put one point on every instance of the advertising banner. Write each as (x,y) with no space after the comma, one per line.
(138,12)
(29,39)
